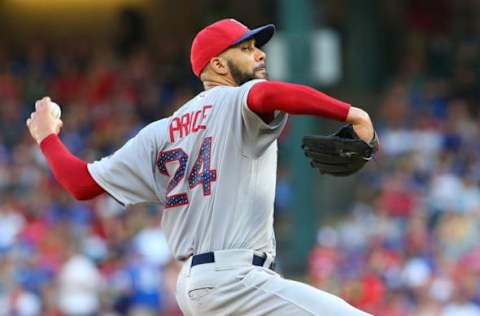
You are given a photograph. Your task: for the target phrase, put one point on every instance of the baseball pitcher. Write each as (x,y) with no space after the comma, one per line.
(212,167)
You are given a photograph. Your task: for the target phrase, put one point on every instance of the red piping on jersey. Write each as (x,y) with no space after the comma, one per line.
(267,96)
(70,171)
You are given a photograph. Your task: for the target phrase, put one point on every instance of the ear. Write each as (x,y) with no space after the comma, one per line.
(219,65)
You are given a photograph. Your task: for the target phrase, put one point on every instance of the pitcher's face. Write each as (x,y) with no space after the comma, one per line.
(246,62)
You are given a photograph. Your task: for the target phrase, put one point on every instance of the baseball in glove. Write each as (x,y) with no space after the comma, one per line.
(340,154)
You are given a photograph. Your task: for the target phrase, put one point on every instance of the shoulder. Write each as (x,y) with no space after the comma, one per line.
(254,81)
(155,126)
(249,84)
(238,89)
(155,132)
(231,93)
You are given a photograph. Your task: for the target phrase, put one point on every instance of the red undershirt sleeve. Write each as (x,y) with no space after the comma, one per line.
(267,96)
(70,171)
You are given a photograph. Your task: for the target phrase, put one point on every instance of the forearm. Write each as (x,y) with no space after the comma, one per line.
(70,171)
(267,96)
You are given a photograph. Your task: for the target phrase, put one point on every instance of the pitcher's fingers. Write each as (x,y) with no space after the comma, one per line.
(29,121)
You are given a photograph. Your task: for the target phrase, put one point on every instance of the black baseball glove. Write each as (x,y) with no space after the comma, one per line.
(340,154)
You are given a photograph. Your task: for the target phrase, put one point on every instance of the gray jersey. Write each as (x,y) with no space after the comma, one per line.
(212,167)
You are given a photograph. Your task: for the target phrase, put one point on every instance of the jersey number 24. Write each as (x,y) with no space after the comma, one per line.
(200,174)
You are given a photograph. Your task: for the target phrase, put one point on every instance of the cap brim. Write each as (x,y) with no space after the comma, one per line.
(261,34)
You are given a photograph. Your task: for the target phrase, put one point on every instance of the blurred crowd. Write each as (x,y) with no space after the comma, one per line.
(410,243)
(58,256)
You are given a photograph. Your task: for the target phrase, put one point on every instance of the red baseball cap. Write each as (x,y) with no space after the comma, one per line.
(217,37)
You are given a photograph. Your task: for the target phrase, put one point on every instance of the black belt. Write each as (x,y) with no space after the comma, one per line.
(209,257)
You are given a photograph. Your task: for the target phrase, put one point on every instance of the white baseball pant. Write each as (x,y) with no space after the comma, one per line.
(233,286)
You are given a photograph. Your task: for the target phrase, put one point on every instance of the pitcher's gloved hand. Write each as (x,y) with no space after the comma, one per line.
(340,154)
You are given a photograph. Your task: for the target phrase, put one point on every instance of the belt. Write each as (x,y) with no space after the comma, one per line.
(209,257)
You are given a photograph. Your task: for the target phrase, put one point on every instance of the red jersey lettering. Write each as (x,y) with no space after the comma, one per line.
(204,115)
(175,126)
(195,127)
(188,123)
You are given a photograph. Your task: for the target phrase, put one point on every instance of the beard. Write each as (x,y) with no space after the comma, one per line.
(241,77)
